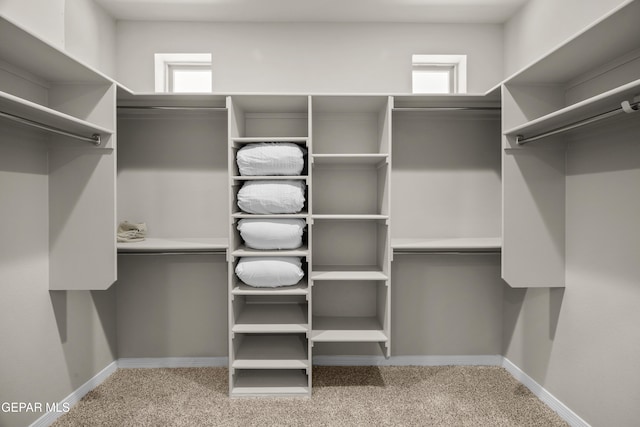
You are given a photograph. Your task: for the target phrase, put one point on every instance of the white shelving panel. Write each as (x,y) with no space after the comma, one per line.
(270,382)
(53,92)
(475,244)
(348,272)
(266,351)
(347,329)
(156,244)
(272,318)
(269,352)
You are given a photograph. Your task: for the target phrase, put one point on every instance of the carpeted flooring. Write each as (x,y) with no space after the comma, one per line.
(342,396)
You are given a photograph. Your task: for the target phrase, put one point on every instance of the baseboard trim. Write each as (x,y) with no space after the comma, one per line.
(550,400)
(488,360)
(48,418)
(172,362)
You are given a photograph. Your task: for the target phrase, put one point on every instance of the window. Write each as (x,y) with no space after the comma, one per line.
(439,73)
(183,72)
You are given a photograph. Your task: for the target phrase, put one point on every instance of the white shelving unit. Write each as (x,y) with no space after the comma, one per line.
(558,91)
(269,349)
(351,164)
(67,109)
(175,245)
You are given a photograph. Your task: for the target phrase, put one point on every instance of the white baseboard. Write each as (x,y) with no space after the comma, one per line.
(48,418)
(487,360)
(550,400)
(195,362)
(172,362)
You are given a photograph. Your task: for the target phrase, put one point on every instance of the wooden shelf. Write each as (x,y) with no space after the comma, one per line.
(272,352)
(272,318)
(243,251)
(473,244)
(347,329)
(35,112)
(177,245)
(270,382)
(347,272)
(589,107)
(301,288)
(349,159)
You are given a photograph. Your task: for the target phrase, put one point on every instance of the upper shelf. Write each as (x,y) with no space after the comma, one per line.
(29,53)
(33,112)
(611,37)
(589,107)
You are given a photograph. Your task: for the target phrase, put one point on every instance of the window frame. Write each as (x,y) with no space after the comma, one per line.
(167,63)
(455,64)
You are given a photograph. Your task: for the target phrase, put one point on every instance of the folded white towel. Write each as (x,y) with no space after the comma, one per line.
(272,196)
(129,232)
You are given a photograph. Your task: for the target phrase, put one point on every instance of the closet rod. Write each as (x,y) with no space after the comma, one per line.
(447,108)
(94,139)
(168,107)
(626,107)
(442,252)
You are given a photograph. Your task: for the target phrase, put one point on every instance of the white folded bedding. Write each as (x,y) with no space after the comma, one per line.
(271,233)
(270,158)
(272,196)
(269,272)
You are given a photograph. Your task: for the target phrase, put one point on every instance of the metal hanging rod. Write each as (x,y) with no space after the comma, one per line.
(94,139)
(168,107)
(625,107)
(447,108)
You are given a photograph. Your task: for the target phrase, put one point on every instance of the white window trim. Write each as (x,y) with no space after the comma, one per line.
(457,64)
(164,61)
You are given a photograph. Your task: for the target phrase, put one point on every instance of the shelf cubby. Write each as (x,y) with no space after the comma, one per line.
(269,382)
(271,351)
(254,314)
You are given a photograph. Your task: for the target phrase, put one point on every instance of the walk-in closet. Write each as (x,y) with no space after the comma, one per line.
(389,214)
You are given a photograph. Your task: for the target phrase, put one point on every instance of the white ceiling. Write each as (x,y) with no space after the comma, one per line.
(431,11)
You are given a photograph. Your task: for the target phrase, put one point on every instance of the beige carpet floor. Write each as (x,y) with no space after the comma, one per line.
(342,396)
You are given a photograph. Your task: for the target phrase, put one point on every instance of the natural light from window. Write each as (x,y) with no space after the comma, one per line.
(183,72)
(439,74)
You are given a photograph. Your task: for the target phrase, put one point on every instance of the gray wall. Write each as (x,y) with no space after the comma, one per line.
(310,57)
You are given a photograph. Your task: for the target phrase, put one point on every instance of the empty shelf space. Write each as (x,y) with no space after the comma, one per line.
(270,382)
(156,244)
(471,244)
(347,272)
(272,352)
(350,159)
(31,111)
(347,329)
(276,318)
(243,251)
(301,288)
